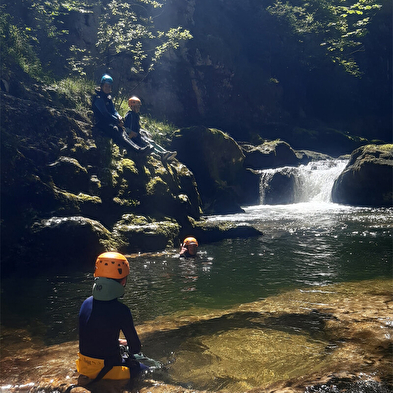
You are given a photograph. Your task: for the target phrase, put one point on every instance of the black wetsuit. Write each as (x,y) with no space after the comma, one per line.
(107,120)
(100,323)
(131,121)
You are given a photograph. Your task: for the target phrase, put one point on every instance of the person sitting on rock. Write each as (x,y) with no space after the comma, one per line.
(101,318)
(189,247)
(139,136)
(108,120)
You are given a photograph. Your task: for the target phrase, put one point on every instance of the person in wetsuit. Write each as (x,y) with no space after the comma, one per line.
(189,247)
(101,318)
(142,137)
(108,120)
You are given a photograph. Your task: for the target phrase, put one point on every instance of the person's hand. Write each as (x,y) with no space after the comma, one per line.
(132,134)
(122,341)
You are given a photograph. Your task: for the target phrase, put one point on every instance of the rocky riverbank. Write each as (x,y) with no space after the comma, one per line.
(69,193)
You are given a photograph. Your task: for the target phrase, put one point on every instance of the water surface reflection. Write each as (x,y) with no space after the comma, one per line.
(304,246)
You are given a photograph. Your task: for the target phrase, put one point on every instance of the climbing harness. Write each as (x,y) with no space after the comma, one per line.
(131,361)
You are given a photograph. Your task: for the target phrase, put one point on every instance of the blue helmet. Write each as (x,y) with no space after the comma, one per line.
(106,79)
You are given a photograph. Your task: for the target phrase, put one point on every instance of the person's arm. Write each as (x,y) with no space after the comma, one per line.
(183,251)
(129,331)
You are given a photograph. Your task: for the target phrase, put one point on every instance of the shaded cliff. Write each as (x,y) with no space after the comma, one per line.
(253,74)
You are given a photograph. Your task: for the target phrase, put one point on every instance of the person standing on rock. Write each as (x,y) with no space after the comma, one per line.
(101,318)
(108,120)
(139,136)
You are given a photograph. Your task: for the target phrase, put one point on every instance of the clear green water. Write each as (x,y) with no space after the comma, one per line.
(304,245)
(234,317)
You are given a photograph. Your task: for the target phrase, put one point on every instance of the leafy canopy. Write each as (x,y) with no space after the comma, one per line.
(125,28)
(337,25)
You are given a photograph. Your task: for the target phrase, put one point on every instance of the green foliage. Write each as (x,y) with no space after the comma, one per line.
(161,132)
(15,48)
(338,26)
(46,30)
(127,28)
(77,90)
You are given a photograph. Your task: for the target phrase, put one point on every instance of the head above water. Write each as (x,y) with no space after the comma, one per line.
(191,244)
(112,265)
(134,103)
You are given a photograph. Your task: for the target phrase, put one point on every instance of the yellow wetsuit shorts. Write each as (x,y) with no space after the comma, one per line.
(92,366)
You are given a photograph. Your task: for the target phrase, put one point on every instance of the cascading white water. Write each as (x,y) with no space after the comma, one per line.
(307,183)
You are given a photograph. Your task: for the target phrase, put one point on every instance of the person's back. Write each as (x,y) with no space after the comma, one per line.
(100,323)
(101,318)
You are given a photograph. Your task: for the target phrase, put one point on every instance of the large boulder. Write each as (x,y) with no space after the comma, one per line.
(367,180)
(216,161)
(139,233)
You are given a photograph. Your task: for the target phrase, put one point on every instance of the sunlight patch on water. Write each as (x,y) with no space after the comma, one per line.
(243,358)
(282,212)
(284,337)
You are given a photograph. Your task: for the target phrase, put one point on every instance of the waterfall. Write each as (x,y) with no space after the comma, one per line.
(307,183)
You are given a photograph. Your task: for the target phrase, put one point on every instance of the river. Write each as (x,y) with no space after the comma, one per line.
(306,246)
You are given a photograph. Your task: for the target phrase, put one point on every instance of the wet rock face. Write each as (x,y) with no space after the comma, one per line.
(280,188)
(368,178)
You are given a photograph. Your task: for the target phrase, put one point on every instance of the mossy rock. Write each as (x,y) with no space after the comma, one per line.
(61,242)
(207,232)
(141,234)
(367,179)
(216,161)
(272,154)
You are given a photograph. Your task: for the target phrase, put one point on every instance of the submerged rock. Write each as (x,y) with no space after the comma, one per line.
(368,178)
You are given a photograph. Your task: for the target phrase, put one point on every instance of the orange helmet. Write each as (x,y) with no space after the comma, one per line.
(134,100)
(112,265)
(190,240)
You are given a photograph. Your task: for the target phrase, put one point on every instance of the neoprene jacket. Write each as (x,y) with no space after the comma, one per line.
(131,121)
(100,323)
(104,109)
